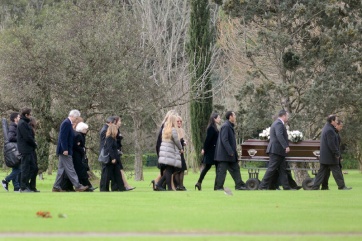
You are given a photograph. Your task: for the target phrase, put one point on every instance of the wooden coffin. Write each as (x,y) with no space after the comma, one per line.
(300,149)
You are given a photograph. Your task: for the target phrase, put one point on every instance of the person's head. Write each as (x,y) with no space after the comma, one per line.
(170,123)
(283,115)
(170,112)
(179,121)
(110,120)
(15,117)
(112,131)
(73,115)
(339,125)
(26,112)
(332,119)
(214,119)
(76,121)
(231,116)
(82,127)
(117,121)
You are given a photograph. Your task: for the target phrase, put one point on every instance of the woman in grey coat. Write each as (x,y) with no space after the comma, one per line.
(170,149)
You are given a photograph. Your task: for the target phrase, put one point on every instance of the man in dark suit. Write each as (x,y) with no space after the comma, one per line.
(329,158)
(26,146)
(226,154)
(65,151)
(277,149)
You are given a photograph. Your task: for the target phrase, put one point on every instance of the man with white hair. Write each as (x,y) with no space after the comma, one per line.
(65,151)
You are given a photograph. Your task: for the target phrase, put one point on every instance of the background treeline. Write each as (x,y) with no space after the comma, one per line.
(132,58)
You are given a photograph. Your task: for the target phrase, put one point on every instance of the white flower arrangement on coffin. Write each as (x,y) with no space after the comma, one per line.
(265,134)
(293,136)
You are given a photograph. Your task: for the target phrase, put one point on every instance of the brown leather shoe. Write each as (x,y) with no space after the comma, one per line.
(81,188)
(57,190)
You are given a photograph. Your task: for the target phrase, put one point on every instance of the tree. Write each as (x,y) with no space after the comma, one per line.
(303,56)
(199,50)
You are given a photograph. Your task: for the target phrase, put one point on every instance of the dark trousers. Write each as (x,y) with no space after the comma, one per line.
(32,184)
(205,170)
(28,168)
(324,170)
(111,172)
(278,164)
(326,178)
(167,176)
(234,171)
(15,177)
(276,182)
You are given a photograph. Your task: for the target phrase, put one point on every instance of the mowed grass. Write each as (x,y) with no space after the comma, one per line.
(143,214)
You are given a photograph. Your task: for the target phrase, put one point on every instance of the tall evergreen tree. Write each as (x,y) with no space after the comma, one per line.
(199,45)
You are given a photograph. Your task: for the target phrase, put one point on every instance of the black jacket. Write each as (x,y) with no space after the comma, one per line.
(278,139)
(102,136)
(79,155)
(12,134)
(25,136)
(110,146)
(226,144)
(210,145)
(159,141)
(329,150)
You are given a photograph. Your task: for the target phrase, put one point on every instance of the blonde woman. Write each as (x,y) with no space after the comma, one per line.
(158,145)
(112,168)
(169,155)
(180,172)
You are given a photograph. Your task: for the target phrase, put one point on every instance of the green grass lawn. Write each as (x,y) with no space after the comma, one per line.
(143,214)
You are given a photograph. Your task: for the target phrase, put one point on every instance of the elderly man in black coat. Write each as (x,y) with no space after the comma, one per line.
(226,154)
(330,155)
(277,149)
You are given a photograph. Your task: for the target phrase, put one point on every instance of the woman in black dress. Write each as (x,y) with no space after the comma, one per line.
(180,172)
(209,147)
(112,168)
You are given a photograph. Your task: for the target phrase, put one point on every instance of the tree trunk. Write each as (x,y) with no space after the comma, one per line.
(299,175)
(138,164)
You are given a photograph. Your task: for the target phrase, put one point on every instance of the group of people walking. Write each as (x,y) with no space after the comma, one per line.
(219,149)
(22,131)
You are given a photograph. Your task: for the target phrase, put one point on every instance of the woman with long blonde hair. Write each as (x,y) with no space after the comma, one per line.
(169,155)
(112,168)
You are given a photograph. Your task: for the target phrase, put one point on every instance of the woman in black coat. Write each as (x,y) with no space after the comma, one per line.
(209,147)
(112,168)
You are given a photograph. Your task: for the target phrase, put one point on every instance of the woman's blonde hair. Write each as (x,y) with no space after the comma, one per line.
(170,112)
(112,131)
(170,123)
(180,130)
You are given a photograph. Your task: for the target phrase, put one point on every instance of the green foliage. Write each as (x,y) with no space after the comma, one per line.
(199,45)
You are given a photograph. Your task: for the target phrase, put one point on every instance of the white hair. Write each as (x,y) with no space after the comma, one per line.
(74,113)
(81,126)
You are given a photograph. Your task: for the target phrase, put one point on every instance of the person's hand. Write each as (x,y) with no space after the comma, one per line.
(65,153)
(185,143)
(113,161)
(287,149)
(341,160)
(181,151)
(78,143)
(202,152)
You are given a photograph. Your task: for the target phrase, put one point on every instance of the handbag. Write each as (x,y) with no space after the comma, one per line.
(11,154)
(103,158)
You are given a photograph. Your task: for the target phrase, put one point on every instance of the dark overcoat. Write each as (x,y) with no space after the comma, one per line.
(25,136)
(329,150)
(210,144)
(278,139)
(225,150)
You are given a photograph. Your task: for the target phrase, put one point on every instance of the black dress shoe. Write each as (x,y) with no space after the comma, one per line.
(35,190)
(345,188)
(158,188)
(290,189)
